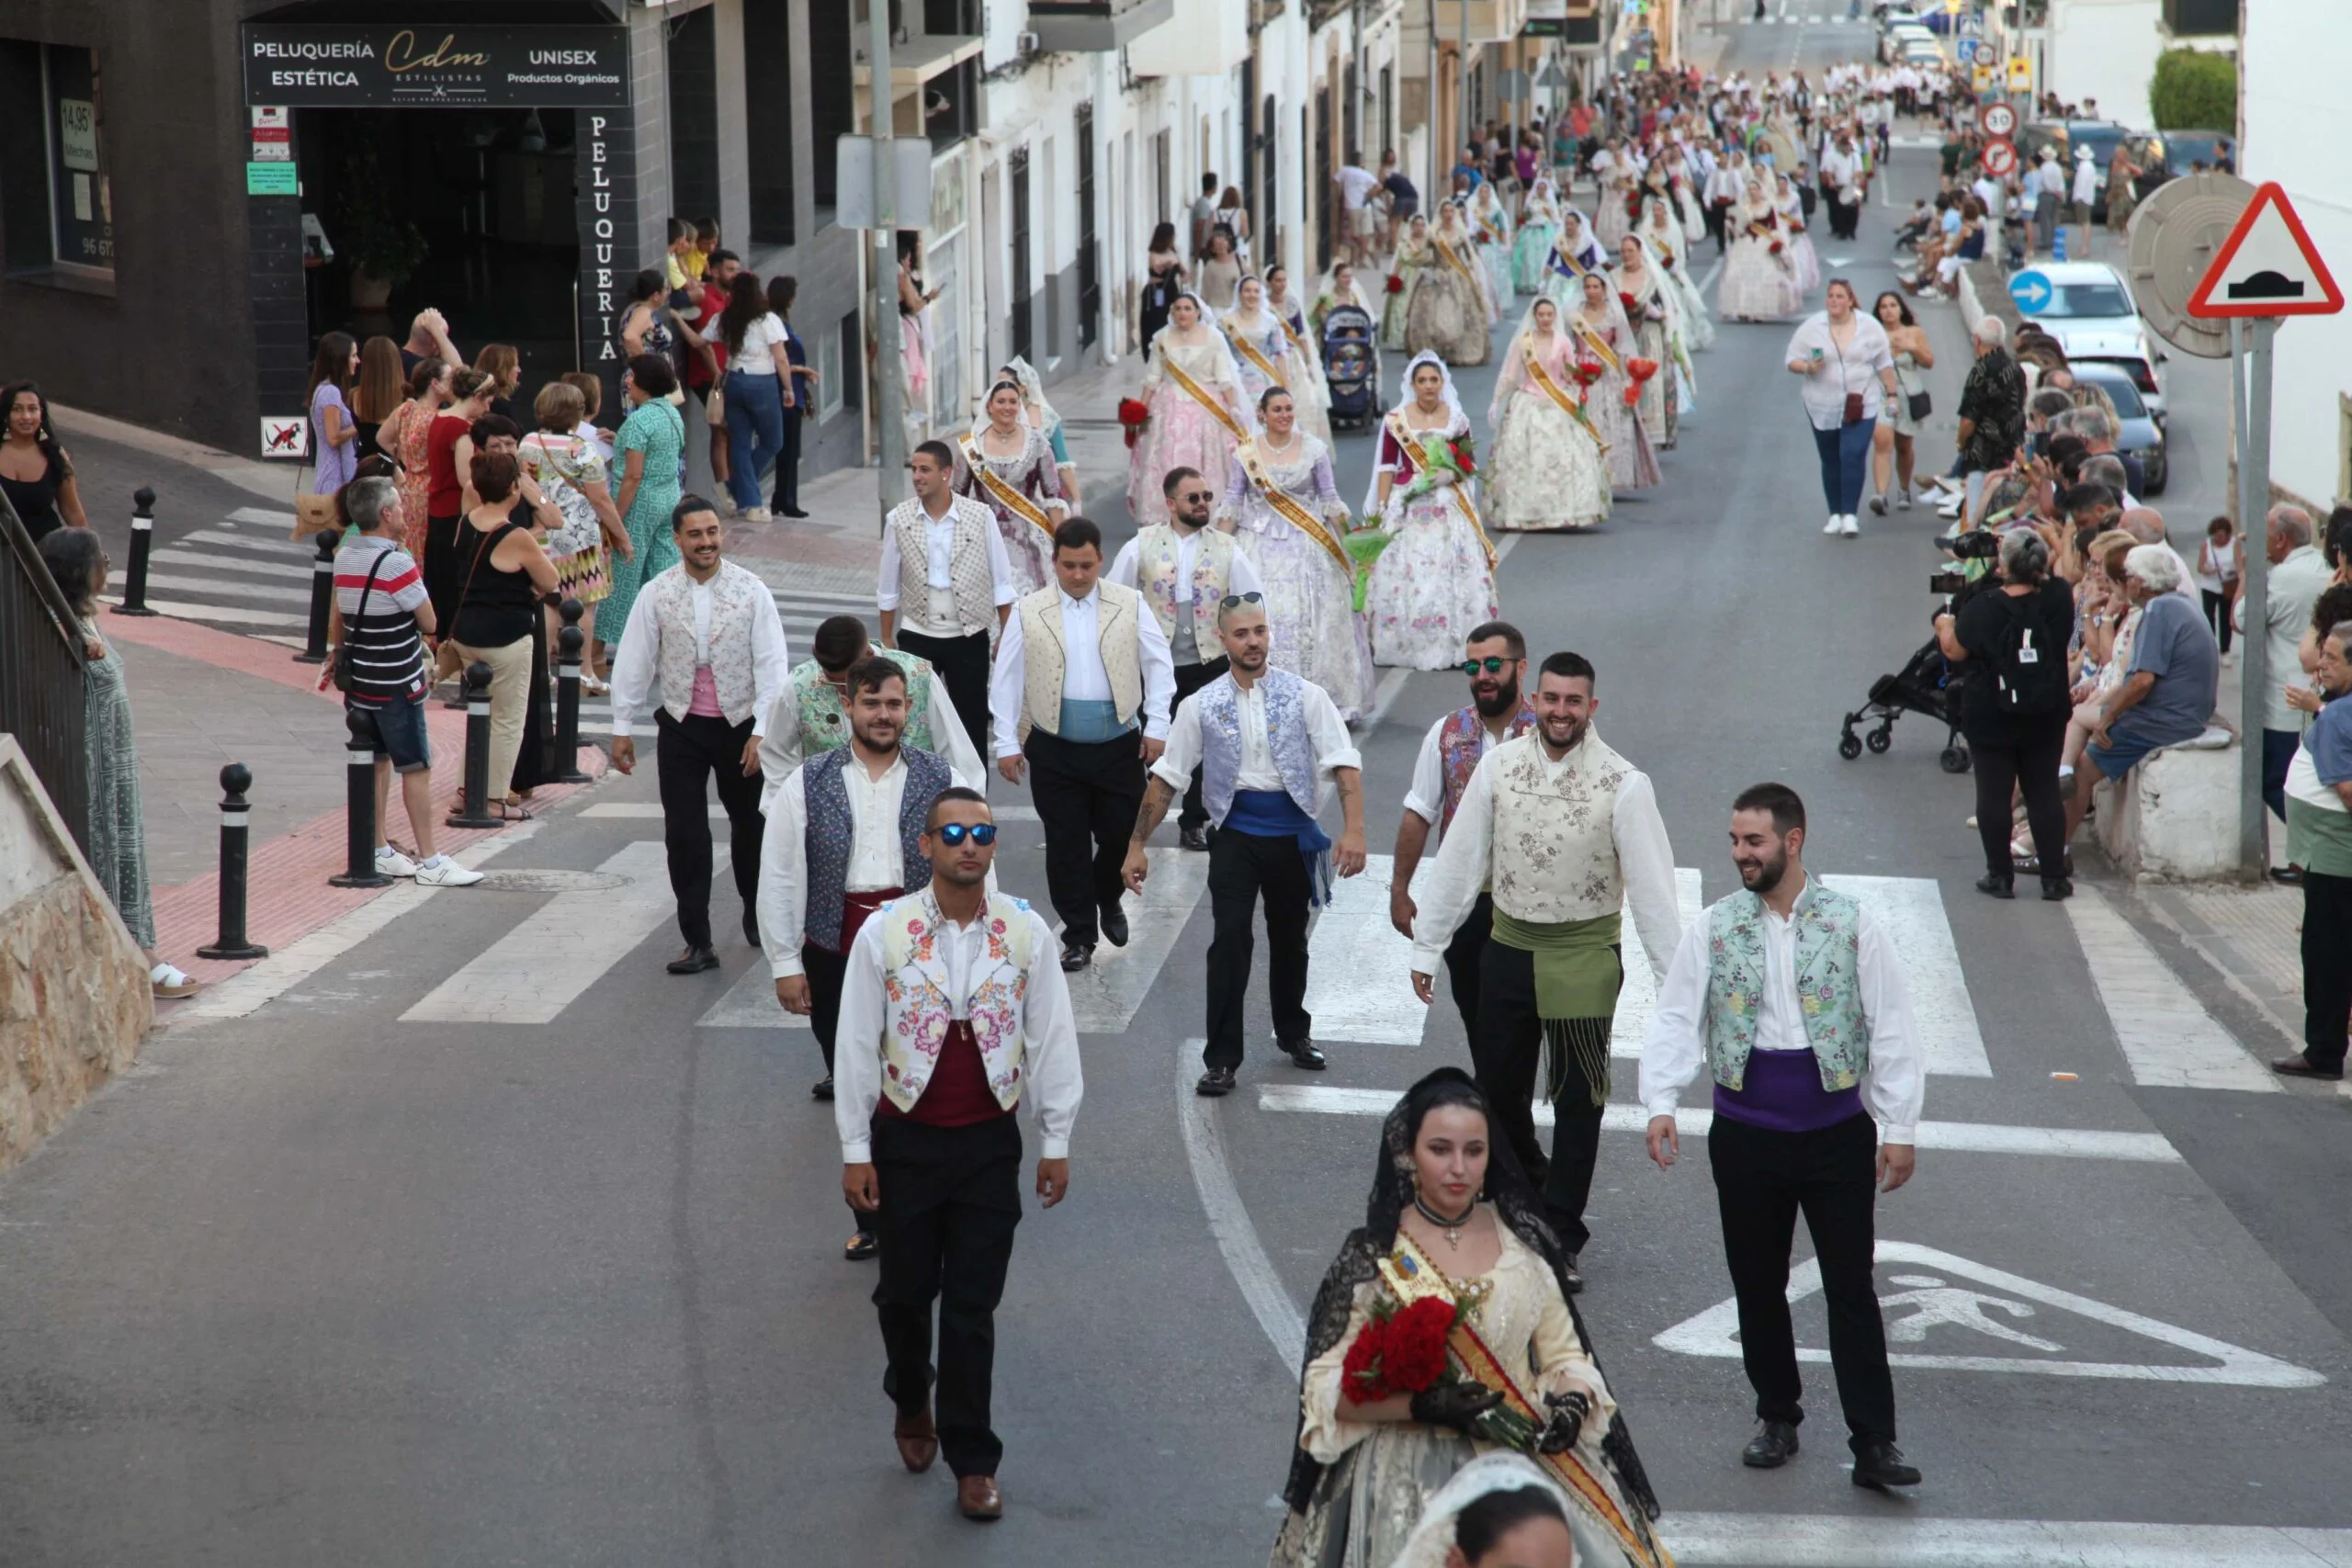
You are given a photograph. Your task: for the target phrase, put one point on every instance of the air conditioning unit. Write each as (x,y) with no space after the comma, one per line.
(1024,43)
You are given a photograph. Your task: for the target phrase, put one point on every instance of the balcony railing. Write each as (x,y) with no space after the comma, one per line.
(41,675)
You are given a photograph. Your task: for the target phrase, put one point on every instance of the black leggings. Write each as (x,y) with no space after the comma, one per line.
(2031,768)
(2217,616)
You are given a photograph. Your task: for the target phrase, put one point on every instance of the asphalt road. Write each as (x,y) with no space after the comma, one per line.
(469,1236)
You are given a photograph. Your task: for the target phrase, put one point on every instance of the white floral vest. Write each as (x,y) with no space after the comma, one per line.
(735,594)
(1116,618)
(1555,843)
(1156,549)
(968,564)
(919,1008)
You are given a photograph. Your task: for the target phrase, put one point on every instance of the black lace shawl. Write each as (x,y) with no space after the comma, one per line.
(1516,1204)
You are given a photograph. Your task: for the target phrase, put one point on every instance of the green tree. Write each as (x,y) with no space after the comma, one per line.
(2195,89)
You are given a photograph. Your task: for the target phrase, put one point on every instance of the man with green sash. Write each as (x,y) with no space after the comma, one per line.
(810,717)
(1570,835)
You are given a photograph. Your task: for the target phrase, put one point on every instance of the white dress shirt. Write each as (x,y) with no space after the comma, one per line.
(1083,677)
(1326,732)
(874,861)
(1464,862)
(939,546)
(1241,578)
(1049,1033)
(1675,1053)
(780,755)
(634,665)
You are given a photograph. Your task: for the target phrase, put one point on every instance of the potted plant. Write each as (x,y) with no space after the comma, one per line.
(385,248)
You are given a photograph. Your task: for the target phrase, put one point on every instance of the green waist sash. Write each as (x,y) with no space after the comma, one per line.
(1577,978)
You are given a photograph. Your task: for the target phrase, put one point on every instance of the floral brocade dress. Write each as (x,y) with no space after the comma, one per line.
(415,478)
(1310,596)
(1633,462)
(1030,473)
(1435,580)
(1445,304)
(1649,315)
(1182,432)
(1546,472)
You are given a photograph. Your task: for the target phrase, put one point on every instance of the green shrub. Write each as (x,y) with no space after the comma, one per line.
(2195,89)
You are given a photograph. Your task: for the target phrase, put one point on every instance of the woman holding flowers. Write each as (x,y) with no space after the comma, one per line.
(1539,230)
(1308,386)
(1605,336)
(1550,468)
(1646,305)
(1195,410)
(1444,1331)
(1435,580)
(1759,281)
(1670,252)
(1800,254)
(1416,250)
(1263,349)
(1490,231)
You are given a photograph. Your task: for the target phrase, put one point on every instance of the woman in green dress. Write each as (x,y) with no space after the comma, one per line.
(651,449)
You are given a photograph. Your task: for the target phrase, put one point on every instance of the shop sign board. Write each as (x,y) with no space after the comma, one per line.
(436,65)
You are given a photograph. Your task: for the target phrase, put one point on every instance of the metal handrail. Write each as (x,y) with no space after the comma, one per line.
(43,673)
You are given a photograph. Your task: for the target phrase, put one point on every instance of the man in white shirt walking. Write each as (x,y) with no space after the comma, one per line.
(1816,1105)
(945,583)
(1356,186)
(1841,185)
(2085,192)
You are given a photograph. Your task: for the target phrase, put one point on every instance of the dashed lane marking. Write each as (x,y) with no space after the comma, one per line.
(2168,1038)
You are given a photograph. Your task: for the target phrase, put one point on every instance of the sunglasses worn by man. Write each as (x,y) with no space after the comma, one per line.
(954,833)
(1492,665)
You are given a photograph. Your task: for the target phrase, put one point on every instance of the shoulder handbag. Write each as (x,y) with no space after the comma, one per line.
(1918,405)
(313,513)
(346,674)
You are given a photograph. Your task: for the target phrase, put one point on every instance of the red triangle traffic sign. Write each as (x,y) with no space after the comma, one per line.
(2268,266)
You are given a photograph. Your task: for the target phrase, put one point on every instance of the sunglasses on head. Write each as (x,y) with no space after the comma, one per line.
(954,833)
(1491,665)
(1231,600)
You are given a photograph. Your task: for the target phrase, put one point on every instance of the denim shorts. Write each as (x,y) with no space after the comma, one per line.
(400,733)
(2119,759)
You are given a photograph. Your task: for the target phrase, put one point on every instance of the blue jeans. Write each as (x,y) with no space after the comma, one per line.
(754,433)
(1845,464)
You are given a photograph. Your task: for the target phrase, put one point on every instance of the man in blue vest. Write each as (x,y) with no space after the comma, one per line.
(1793,999)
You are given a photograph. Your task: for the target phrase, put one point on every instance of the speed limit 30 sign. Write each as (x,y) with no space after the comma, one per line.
(1998,118)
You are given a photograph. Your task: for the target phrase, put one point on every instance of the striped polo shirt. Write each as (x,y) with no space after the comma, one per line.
(388,653)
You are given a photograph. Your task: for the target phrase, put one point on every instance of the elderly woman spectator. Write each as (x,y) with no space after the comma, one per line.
(2167,691)
(505,575)
(1992,407)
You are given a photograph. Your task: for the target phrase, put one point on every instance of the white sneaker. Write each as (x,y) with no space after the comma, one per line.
(758,515)
(1849,525)
(448,873)
(391,862)
(1952,508)
(1832,525)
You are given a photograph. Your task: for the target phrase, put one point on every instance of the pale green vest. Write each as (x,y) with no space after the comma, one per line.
(1827,976)
(825,726)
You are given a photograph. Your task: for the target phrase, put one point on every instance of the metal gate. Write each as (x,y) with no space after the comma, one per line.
(41,675)
(1016,164)
(1089,247)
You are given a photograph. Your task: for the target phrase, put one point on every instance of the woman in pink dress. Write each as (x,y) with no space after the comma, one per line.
(1198,410)
(1607,338)
(1547,470)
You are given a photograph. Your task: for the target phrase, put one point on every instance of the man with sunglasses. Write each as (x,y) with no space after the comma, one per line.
(951,1009)
(845,836)
(1269,746)
(1495,660)
(1183,568)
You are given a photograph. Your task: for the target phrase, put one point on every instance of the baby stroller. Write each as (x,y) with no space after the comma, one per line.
(1351,366)
(1924,685)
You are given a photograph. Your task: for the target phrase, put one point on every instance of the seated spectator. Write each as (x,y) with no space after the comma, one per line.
(2146,525)
(2047,406)
(2105,619)
(2167,694)
(2096,427)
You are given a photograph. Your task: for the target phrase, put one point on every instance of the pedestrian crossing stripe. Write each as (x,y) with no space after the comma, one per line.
(2163,1032)
(1935,1304)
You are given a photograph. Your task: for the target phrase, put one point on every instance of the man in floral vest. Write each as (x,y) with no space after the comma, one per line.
(1184,568)
(812,714)
(1495,660)
(952,1006)
(1792,998)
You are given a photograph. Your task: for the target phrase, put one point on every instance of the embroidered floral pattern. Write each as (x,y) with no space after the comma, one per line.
(919,1011)
(1828,983)
(1555,846)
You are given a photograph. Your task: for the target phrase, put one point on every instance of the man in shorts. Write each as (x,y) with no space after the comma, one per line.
(1356,186)
(2168,694)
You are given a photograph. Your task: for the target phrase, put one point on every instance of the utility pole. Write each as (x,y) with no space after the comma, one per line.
(1428,182)
(889,388)
(2250,365)
(1462,62)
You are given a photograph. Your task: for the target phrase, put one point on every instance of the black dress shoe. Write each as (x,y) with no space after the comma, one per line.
(1998,886)
(1194,838)
(1771,1448)
(2053,888)
(822,1088)
(694,961)
(2291,876)
(862,1245)
(790,511)
(1880,1466)
(752,928)
(2299,1067)
(1571,1275)
(1076,956)
(1305,1054)
(1114,925)
(1215,1082)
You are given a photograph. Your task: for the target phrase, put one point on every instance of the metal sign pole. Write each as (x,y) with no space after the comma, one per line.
(889,349)
(2250,341)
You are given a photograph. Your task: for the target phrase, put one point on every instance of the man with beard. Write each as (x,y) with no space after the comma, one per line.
(1495,660)
(1800,1080)
(844,836)
(1568,833)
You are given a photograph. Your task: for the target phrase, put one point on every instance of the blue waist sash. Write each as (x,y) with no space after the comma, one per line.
(1272,814)
(1092,722)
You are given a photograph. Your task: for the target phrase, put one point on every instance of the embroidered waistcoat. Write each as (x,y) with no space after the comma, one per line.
(1294,752)
(833,834)
(1042,659)
(1829,983)
(918,1008)
(1458,750)
(967,563)
(734,595)
(1554,841)
(824,724)
(1212,572)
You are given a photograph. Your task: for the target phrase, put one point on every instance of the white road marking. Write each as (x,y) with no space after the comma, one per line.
(1359,970)
(1709,280)
(1105,995)
(1910,911)
(264,516)
(1637,997)
(552,958)
(230,587)
(279,545)
(1950,1137)
(300,572)
(2168,1038)
(637,811)
(1230,1222)
(1715,1332)
(750,1003)
(1846,1541)
(233,614)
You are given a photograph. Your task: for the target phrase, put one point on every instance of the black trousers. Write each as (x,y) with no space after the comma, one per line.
(1463,956)
(1505,1053)
(2033,769)
(1088,794)
(688,753)
(825,972)
(1843,218)
(1241,867)
(1714,218)
(1762,1179)
(787,463)
(962,664)
(2327,966)
(1191,677)
(951,1197)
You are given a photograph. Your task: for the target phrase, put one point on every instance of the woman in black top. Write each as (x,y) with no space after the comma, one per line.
(1165,266)
(35,473)
(505,576)
(2012,642)
(798,397)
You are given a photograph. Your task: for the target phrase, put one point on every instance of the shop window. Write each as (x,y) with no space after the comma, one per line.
(56,206)
(851,377)
(767,119)
(833,95)
(694,114)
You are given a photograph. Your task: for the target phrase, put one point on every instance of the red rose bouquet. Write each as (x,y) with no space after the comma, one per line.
(1775,248)
(1632,306)
(1637,372)
(1134,414)
(1396,283)
(1402,1351)
(1586,371)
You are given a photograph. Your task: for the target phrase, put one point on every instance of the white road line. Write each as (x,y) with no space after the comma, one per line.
(270,592)
(301,572)
(1637,997)
(264,516)
(637,811)
(1237,1236)
(2168,1038)
(550,959)
(1359,970)
(1709,280)
(1846,1541)
(234,615)
(1956,1137)
(278,546)
(1910,911)
(1105,995)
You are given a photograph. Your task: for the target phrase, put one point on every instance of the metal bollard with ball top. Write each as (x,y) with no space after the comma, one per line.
(142,539)
(235,779)
(569,642)
(473,810)
(362,750)
(314,650)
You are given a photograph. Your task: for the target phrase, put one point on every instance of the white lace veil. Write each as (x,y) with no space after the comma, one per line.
(1510,377)
(1224,347)
(1499,1472)
(1405,400)
(1041,415)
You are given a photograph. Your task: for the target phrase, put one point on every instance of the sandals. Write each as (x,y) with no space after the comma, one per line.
(170,982)
(511,811)
(593,686)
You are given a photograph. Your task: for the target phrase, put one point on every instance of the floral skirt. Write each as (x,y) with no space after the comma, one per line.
(1532,255)
(1807,262)
(1545,473)
(1430,586)
(1757,283)
(1310,608)
(582,575)
(1181,435)
(1445,315)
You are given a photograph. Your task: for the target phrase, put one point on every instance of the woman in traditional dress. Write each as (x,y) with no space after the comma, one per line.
(1490,231)
(1310,390)
(1575,253)
(1607,337)
(1539,229)
(1436,577)
(1503,1510)
(1416,250)
(1039,415)
(1612,217)
(1199,413)
(1547,469)
(1284,509)
(1446,309)
(1759,282)
(1655,329)
(1451,1216)
(1670,252)
(1690,211)
(1261,345)
(1801,255)
(1006,465)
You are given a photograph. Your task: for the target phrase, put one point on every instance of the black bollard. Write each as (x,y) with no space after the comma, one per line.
(321,597)
(569,642)
(359,868)
(235,779)
(142,539)
(473,811)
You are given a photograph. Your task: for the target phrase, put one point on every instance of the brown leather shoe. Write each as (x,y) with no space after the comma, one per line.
(978,1497)
(918,1439)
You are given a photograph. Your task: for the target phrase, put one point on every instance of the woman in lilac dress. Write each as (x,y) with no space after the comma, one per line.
(1007,466)
(1436,579)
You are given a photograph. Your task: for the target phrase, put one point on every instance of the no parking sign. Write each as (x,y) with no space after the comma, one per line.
(2000,157)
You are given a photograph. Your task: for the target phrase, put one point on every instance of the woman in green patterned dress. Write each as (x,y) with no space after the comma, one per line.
(651,450)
